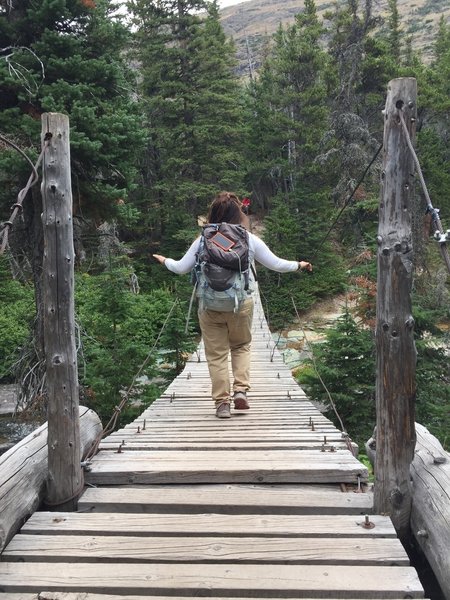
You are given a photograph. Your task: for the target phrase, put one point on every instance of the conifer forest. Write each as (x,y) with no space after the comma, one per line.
(160,121)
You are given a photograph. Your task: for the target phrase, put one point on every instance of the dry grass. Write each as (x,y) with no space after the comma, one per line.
(257,20)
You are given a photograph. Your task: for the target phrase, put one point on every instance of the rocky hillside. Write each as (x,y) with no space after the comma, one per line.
(251,23)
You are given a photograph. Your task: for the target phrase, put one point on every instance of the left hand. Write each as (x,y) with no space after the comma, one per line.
(159,258)
(307,266)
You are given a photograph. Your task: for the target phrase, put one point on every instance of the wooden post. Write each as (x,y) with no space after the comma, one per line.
(64,469)
(396,353)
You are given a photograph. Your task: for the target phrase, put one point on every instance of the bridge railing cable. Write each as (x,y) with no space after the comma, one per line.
(441,236)
(17,206)
(111,425)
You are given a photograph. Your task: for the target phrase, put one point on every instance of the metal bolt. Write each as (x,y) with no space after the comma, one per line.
(367,523)
(423,533)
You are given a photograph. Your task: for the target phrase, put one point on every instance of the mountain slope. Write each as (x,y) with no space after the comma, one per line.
(252,23)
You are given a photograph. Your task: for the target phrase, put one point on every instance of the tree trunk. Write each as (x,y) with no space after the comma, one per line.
(430,517)
(396,354)
(64,470)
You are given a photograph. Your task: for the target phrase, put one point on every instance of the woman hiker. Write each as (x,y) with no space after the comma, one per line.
(229,331)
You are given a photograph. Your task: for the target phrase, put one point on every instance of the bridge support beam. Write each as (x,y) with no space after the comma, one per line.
(396,353)
(64,470)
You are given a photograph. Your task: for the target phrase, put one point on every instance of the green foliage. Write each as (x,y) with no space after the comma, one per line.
(16,316)
(288,115)
(346,365)
(194,110)
(433,389)
(120,332)
(68,57)
(293,230)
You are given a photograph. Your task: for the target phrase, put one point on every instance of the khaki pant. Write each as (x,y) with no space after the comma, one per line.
(225,332)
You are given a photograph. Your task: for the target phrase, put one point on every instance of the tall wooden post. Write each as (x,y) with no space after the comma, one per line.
(396,353)
(64,469)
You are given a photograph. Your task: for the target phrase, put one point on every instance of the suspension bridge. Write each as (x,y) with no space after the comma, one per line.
(271,503)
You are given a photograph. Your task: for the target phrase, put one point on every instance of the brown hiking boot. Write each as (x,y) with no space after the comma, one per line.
(240,401)
(223,411)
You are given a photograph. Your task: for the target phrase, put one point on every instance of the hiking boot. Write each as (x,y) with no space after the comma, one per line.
(223,411)
(240,401)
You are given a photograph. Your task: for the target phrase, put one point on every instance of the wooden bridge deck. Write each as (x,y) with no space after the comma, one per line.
(268,504)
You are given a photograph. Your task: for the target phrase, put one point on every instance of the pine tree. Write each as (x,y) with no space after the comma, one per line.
(193,110)
(65,56)
(289,105)
(353,141)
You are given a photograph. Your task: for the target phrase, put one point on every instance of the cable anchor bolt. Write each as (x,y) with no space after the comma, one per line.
(367,524)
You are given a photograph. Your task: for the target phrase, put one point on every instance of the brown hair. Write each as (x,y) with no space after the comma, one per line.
(226,208)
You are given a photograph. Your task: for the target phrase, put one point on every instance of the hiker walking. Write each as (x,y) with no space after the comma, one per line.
(221,260)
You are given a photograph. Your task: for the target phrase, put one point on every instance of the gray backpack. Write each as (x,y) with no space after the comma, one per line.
(221,272)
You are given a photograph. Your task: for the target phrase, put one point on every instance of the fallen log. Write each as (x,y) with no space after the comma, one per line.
(24,470)
(430,516)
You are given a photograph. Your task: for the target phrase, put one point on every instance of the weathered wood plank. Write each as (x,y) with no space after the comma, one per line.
(280,466)
(348,526)
(24,469)
(430,517)
(121,475)
(322,441)
(229,499)
(48,595)
(322,551)
(268,581)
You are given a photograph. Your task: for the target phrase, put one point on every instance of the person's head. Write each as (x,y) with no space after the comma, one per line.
(226,208)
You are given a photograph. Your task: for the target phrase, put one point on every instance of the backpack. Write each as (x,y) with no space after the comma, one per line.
(221,272)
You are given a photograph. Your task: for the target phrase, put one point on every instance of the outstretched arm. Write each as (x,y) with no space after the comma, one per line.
(182,266)
(265,256)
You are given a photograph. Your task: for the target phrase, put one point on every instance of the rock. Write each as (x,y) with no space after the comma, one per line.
(8,398)
(292,358)
(295,334)
(280,341)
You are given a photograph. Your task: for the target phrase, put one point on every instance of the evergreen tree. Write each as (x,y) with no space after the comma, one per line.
(289,106)
(65,56)
(290,118)
(194,115)
(353,141)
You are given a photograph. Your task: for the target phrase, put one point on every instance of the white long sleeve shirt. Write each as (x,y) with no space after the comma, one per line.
(257,249)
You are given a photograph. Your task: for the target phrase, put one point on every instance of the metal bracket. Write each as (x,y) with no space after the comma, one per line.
(442,238)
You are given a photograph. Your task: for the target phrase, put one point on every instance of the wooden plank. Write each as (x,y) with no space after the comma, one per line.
(229,499)
(150,444)
(206,550)
(209,524)
(128,468)
(47,595)
(268,581)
